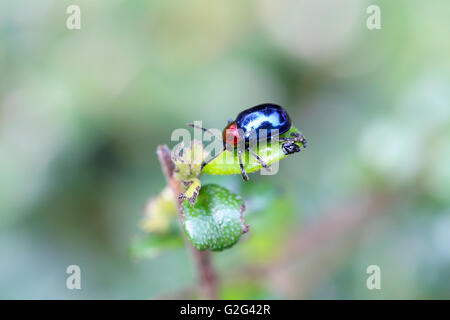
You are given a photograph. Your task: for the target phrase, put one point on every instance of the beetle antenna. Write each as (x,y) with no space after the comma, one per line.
(261,161)
(204,130)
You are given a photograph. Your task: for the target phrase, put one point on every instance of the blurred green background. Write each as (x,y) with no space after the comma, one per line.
(82,111)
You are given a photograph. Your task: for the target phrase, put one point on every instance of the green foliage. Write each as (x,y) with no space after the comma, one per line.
(215,222)
(228,163)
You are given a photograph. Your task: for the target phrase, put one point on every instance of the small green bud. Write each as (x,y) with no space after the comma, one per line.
(188,160)
(159,212)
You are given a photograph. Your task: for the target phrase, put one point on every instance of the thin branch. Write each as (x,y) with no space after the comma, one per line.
(202,259)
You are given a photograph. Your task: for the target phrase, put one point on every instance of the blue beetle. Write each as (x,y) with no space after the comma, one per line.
(255,124)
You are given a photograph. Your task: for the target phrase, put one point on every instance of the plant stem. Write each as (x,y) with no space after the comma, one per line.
(202,259)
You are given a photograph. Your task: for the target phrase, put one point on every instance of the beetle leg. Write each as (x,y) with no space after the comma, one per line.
(243,172)
(258,158)
(204,163)
(298,137)
(290,147)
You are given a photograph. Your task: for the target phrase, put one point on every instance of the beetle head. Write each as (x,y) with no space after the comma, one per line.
(231,134)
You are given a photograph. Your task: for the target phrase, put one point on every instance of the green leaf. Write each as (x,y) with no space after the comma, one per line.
(215,222)
(270,154)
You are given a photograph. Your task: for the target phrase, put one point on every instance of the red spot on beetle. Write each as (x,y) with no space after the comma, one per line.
(231,134)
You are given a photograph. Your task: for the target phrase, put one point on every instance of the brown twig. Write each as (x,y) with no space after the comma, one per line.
(203,261)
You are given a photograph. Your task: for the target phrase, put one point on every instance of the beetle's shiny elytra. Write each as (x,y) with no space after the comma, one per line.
(265,118)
